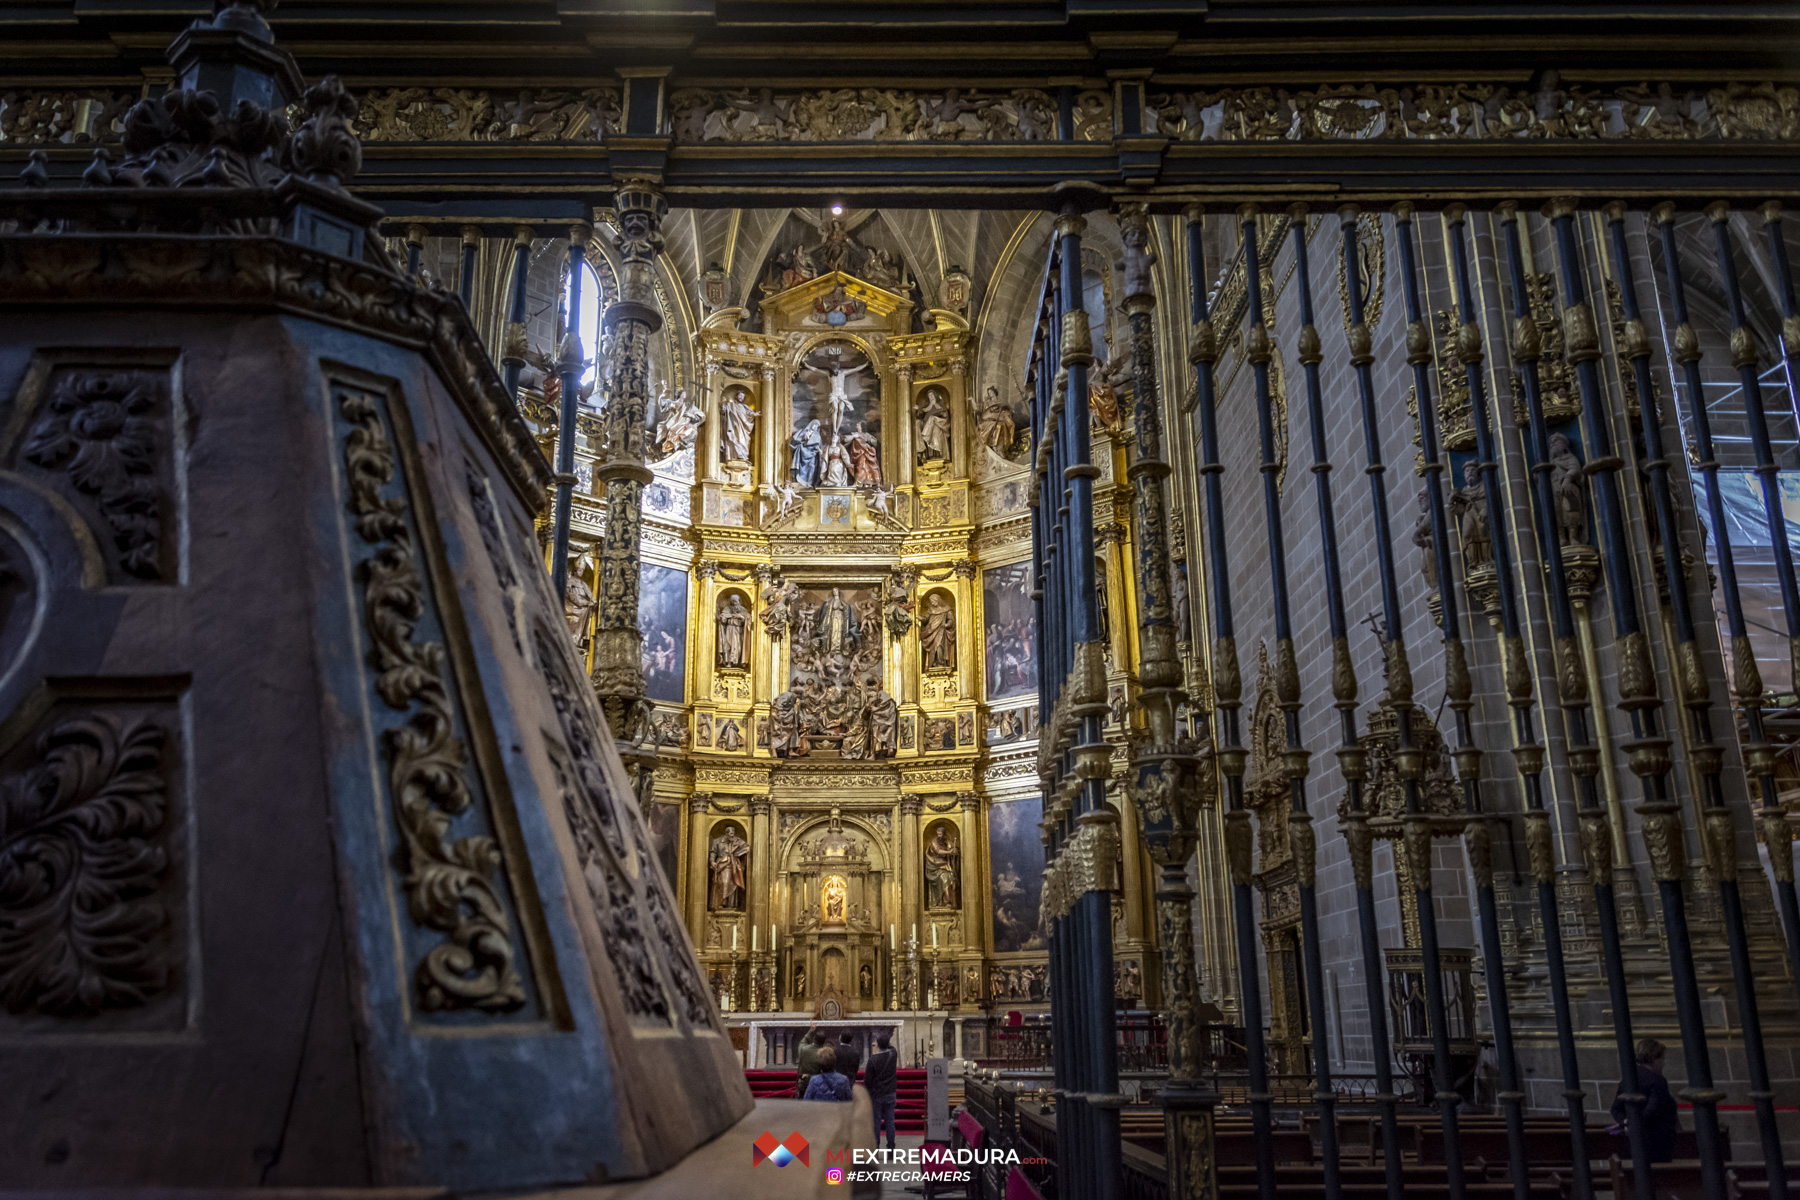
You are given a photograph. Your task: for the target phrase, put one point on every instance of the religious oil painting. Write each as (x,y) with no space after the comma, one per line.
(835,440)
(662,619)
(1016,858)
(1011,627)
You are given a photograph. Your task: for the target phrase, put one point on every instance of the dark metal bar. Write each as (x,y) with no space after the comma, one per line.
(569,365)
(1695,692)
(1528,758)
(1648,752)
(415,244)
(1777,835)
(1409,760)
(1353,758)
(1302,841)
(1572,694)
(1227,696)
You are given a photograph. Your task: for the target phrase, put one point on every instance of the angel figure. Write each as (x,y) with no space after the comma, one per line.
(945,115)
(881,500)
(997,426)
(783,498)
(766,118)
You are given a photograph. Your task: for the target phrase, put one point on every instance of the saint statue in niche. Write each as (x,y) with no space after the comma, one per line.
(837,625)
(803,454)
(933,421)
(739,425)
(677,423)
(578,600)
(865,982)
(865,457)
(734,624)
(799,980)
(937,636)
(727,858)
(943,863)
(834,898)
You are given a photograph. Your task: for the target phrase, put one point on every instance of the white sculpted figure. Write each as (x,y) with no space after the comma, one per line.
(740,425)
(734,623)
(934,426)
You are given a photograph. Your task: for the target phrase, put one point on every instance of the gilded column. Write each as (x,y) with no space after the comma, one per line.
(703,635)
(762,852)
(971,870)
(769,469)
(903,374)
(709,431)
(966,638)
(633,318)
(959,419)
(698,824)
(911,902)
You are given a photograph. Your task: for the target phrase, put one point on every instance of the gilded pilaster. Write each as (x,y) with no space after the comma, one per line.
(762,853)
(970,803)
(699,824)
(708,466)
(904,407)
(912,900)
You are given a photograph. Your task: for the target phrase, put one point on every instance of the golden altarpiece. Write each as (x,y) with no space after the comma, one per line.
(838,622)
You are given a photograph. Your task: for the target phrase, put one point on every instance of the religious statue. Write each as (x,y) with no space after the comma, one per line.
(881,500)
(1565,487)
(856,730)
(943,862)
(578,600)
(837,465)
(734,625)
(803,454)
(798,268)
(731,736)
(677,423)
(806,620)
(1468,504)
(1103,394)
(937,636)
(880,269)
(799,980)
(865,457)
(787,733)
(897,605)
(838,629)
(1421,537)
(833,899)
(835,250)
(865,982)
(727,858)
(739,425)
(933,422)
(783,498)
(884,717)
(1184,628)
(778,598)
(997,428)
(1140,253)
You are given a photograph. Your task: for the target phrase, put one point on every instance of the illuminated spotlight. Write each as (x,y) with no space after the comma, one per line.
(837,210)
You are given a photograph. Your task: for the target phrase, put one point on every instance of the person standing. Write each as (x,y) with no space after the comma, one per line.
(881,1077)
(1662,1121)
(807,1061)
(847,1058)
(828,1084)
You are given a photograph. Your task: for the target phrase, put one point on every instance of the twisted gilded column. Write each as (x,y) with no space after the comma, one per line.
(1164,782)
(632,319)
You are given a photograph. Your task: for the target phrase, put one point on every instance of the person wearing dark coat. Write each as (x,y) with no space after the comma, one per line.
(806,1061)
(846,1058)
(1661,1119)
(828,1084)
(881,1077)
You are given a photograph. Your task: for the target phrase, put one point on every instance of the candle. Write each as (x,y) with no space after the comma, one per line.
(934,937)
(734,937)
(771,937)
(893,941)
(915,936)
(753,939)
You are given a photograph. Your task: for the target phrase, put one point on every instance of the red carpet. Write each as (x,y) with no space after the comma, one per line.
(909,1112)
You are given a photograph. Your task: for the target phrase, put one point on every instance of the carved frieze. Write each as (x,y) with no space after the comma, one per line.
(881,115)
(421,114)
(449,882)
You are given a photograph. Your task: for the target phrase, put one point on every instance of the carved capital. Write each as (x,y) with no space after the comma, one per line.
(1721,844)
(1744,350)
(1540,846)
(1361,840)
(1309,345)
(1478,845)
(1661,825)
(1203,346)
(1303,846)
(1240,843)
(1362,345)
(1418,343)
(1778,836)
(1596,846)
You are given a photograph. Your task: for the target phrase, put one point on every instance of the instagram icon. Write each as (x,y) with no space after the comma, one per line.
(834,1175)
